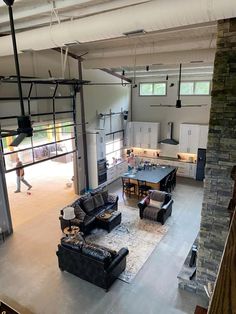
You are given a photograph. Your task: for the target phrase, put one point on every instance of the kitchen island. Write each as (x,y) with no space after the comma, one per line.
(153,176)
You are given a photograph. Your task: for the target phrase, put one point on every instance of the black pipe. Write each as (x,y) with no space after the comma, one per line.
(16,59)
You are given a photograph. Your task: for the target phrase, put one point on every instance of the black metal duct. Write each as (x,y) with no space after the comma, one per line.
(169,139)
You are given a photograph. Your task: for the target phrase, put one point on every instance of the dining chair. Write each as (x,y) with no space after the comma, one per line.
(143,188)
(127,186)
(165,184)
(173,179)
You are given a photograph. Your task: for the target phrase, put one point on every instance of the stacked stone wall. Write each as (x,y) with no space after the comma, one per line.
(220,158)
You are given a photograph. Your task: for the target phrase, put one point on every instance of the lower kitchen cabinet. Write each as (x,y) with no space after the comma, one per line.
(116,171)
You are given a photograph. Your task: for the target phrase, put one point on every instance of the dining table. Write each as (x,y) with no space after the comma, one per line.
(152,175)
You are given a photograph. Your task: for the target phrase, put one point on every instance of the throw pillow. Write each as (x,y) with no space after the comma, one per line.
(79,213)
(105,196)
(98,200)
(88,205)
(147,200)
(112,198)
(83,198)
(155,204)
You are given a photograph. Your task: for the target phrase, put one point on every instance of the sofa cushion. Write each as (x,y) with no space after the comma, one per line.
(89,205)
(157,196)
(151,213)
(79,213)
(97,253)
(98,200)
(83,198)
(88,220)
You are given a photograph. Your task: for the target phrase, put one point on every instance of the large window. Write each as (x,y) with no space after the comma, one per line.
(152,89)
(53,123)
(195,88)
(114,146)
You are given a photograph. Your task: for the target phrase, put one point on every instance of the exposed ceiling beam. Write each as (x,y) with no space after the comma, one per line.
(166,58)
(116,75)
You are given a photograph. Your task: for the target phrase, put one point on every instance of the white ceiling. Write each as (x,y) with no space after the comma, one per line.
(176,31)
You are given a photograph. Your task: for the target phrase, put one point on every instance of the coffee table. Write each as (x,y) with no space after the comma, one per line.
(109,220)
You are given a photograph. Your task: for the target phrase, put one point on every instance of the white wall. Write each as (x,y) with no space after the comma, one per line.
(141,110)
(103,98)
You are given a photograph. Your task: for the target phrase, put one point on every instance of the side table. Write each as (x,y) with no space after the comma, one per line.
(71,232)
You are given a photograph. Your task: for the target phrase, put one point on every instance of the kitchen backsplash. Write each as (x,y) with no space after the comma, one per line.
(164,153)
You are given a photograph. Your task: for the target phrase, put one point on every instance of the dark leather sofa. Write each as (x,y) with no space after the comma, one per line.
(91,262)
(88,207)
(157,213)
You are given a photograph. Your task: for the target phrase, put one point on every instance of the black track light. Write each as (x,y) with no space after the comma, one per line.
(147,68)
(167,77)
(178,103)
(123,72)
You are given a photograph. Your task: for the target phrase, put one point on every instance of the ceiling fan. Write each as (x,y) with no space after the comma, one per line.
(178,100)
(24,123)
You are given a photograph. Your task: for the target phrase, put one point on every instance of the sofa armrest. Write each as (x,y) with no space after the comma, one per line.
(166,206)
(120,256)
(142,205)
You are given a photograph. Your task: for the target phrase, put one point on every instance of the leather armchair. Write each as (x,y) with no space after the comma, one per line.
(160,212)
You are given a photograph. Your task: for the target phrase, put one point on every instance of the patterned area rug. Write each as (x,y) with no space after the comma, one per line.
(139,236)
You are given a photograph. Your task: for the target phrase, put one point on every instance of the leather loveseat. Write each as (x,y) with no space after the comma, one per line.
(96,264)
(157,206)
(88,207)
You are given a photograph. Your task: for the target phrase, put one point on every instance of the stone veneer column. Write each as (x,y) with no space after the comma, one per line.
(221,156)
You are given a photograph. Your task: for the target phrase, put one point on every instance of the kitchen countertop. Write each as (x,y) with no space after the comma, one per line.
(167,158)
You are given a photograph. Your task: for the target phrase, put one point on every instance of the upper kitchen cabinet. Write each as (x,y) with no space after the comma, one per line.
(203,136)
(192,137)
(144,134)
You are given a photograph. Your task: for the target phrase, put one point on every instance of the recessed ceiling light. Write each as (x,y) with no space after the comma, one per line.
(196,61)
(135,33)
(27,50)
(72,43)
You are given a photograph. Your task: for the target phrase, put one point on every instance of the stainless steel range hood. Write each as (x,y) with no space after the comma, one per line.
(169,139)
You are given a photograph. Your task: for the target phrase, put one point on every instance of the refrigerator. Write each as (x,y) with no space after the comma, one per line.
(201,161)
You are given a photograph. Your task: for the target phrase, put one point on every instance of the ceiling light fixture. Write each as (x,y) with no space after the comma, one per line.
(178,101)
(147,68)
(135,33)
(123,72)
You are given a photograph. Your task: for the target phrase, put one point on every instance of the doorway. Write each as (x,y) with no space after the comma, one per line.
(52,188)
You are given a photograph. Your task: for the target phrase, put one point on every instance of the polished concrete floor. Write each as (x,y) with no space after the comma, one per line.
(31,281)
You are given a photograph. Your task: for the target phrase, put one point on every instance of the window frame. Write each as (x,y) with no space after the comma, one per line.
(153,83)
(194,87)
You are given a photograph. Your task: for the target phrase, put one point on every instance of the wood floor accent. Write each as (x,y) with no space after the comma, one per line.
(224,295)
(200,310)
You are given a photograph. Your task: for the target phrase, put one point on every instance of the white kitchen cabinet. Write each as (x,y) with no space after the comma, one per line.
(136,134)
(144,134)
(203,136)
(115,172)
(192,170)
(129,134)
(189,138)
(192,137)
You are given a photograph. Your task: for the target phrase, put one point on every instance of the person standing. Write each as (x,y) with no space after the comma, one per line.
(20,176)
